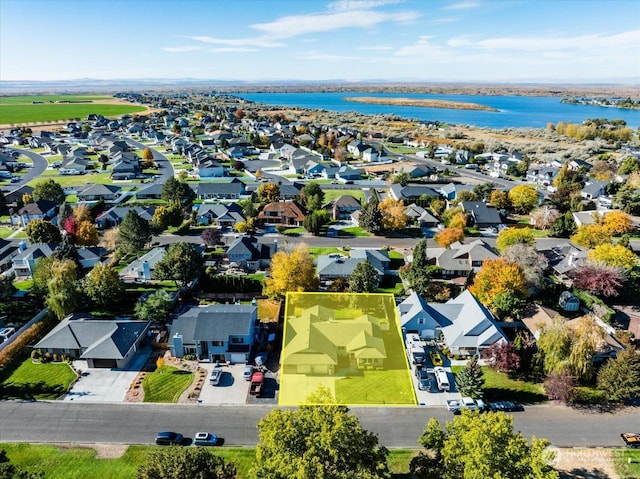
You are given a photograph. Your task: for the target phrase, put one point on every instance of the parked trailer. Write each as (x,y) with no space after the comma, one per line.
(442,379)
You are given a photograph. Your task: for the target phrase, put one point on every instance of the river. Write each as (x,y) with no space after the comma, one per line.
(513,111)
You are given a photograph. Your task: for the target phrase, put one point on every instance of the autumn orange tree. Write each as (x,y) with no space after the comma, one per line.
(618,223)
(291,271)
(448,236)
(500,285)
(394,217)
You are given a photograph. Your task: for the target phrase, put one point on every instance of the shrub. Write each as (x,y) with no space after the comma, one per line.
(585,395)
(189,357)
(47,357)
(27,337)
(36,355)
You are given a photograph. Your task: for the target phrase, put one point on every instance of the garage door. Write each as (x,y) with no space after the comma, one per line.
(105,363)
(238,358)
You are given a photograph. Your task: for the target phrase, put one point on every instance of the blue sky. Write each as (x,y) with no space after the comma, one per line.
(355,40)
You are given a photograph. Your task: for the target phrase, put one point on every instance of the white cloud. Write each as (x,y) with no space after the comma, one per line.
(296,25)
(233,49)
(316,56)
(381,48)
(186,48)
(239,42)
(342,5)
(462,5)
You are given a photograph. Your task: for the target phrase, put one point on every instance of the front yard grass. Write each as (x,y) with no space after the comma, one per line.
(36,381)
(166,384)
(80,462)
(626,469)
(500,387)
(330,195)
(352,231)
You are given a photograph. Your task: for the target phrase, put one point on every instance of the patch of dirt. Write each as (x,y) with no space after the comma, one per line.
(585,463)
(103,451)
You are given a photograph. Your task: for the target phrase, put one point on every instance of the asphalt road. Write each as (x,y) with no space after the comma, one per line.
(40,164)
(396,427)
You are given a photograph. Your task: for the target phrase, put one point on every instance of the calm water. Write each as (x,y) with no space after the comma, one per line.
(514,111)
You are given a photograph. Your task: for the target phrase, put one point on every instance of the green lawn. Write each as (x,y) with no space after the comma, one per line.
(74,180)
(624,468)
(498,386)
(317,251)
(330,195)
(80,463)
(300,230)
(352,231)
(29,113)
(166,384)
(36,381)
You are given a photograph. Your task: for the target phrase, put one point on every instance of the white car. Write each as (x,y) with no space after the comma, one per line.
(215,377)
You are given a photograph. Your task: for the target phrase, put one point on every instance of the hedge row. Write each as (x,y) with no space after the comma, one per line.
(229,284)
(25,339)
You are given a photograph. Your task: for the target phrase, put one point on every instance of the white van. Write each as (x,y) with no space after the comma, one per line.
(442,379)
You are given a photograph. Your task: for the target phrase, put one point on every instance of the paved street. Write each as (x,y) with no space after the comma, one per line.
(395,426)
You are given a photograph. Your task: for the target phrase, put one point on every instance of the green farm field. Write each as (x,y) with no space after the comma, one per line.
(22,109)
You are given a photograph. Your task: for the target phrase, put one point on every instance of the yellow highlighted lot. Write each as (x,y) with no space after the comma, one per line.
(350,343)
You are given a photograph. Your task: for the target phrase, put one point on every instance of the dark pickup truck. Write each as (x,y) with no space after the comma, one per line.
(257,380)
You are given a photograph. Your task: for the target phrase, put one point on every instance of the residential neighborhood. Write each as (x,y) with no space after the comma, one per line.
(174,243)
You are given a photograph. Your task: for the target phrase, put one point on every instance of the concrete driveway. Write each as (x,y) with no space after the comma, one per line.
(105,385)
(231,390)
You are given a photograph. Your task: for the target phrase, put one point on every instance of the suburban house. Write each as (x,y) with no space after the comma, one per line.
(141,269)
(333,266)
(411,193)
(318,343)
(248,253)
(8,251)
(114,216)
(150,192)
(97,192)
(210,169)
(343,206)
(543,175)
(103,343)
(564,259)
(222,190)
(38,210)
(218,332)
(282,212)
(593,189)
(483,215)
(460,259)
(224,215)
(25,260)
(421,217)
(465,324)
(450,190)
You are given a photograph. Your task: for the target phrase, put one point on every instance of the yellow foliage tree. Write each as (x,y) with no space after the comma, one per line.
(590,236)
(448,236)
(500,199)
(393,216)
(87,234)
(523,198)
(614,255)
(459,221)
(497,277)
(111,238)
(291,271)
(159,362)
(81,213)
(510,236)
(618,223)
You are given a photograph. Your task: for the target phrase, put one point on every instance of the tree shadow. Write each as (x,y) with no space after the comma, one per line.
(523,397)
(597,408)
(39,390)
(582,473)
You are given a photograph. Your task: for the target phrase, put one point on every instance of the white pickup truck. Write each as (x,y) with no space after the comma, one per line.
(456,405)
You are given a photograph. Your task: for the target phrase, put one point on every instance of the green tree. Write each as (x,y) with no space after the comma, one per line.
(371,217)
(48,190)
(483,191)
(165,216)
(364,278)
(431,464)
(249,209)
(563,227)
(134,233)
(11,471)
(103,286)
(479,446)
(42,231)
(312,197)
(185,462)
(555,343)
(156,307)
(315,220)
(317,441)
(62,297)
(181,263)
(469,380)
(620,376)
(177,191)
(401,178)
(419,274)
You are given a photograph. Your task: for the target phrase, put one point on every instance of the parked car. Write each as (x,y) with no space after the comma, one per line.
(247,372)
(631,439)
(169,438)
(435,357)
(424,384)
(205,439)
(505,406)
(216,375)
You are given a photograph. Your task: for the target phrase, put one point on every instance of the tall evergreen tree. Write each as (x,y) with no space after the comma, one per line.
(135,233)
(364,278)
(469,380)
(371,217)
